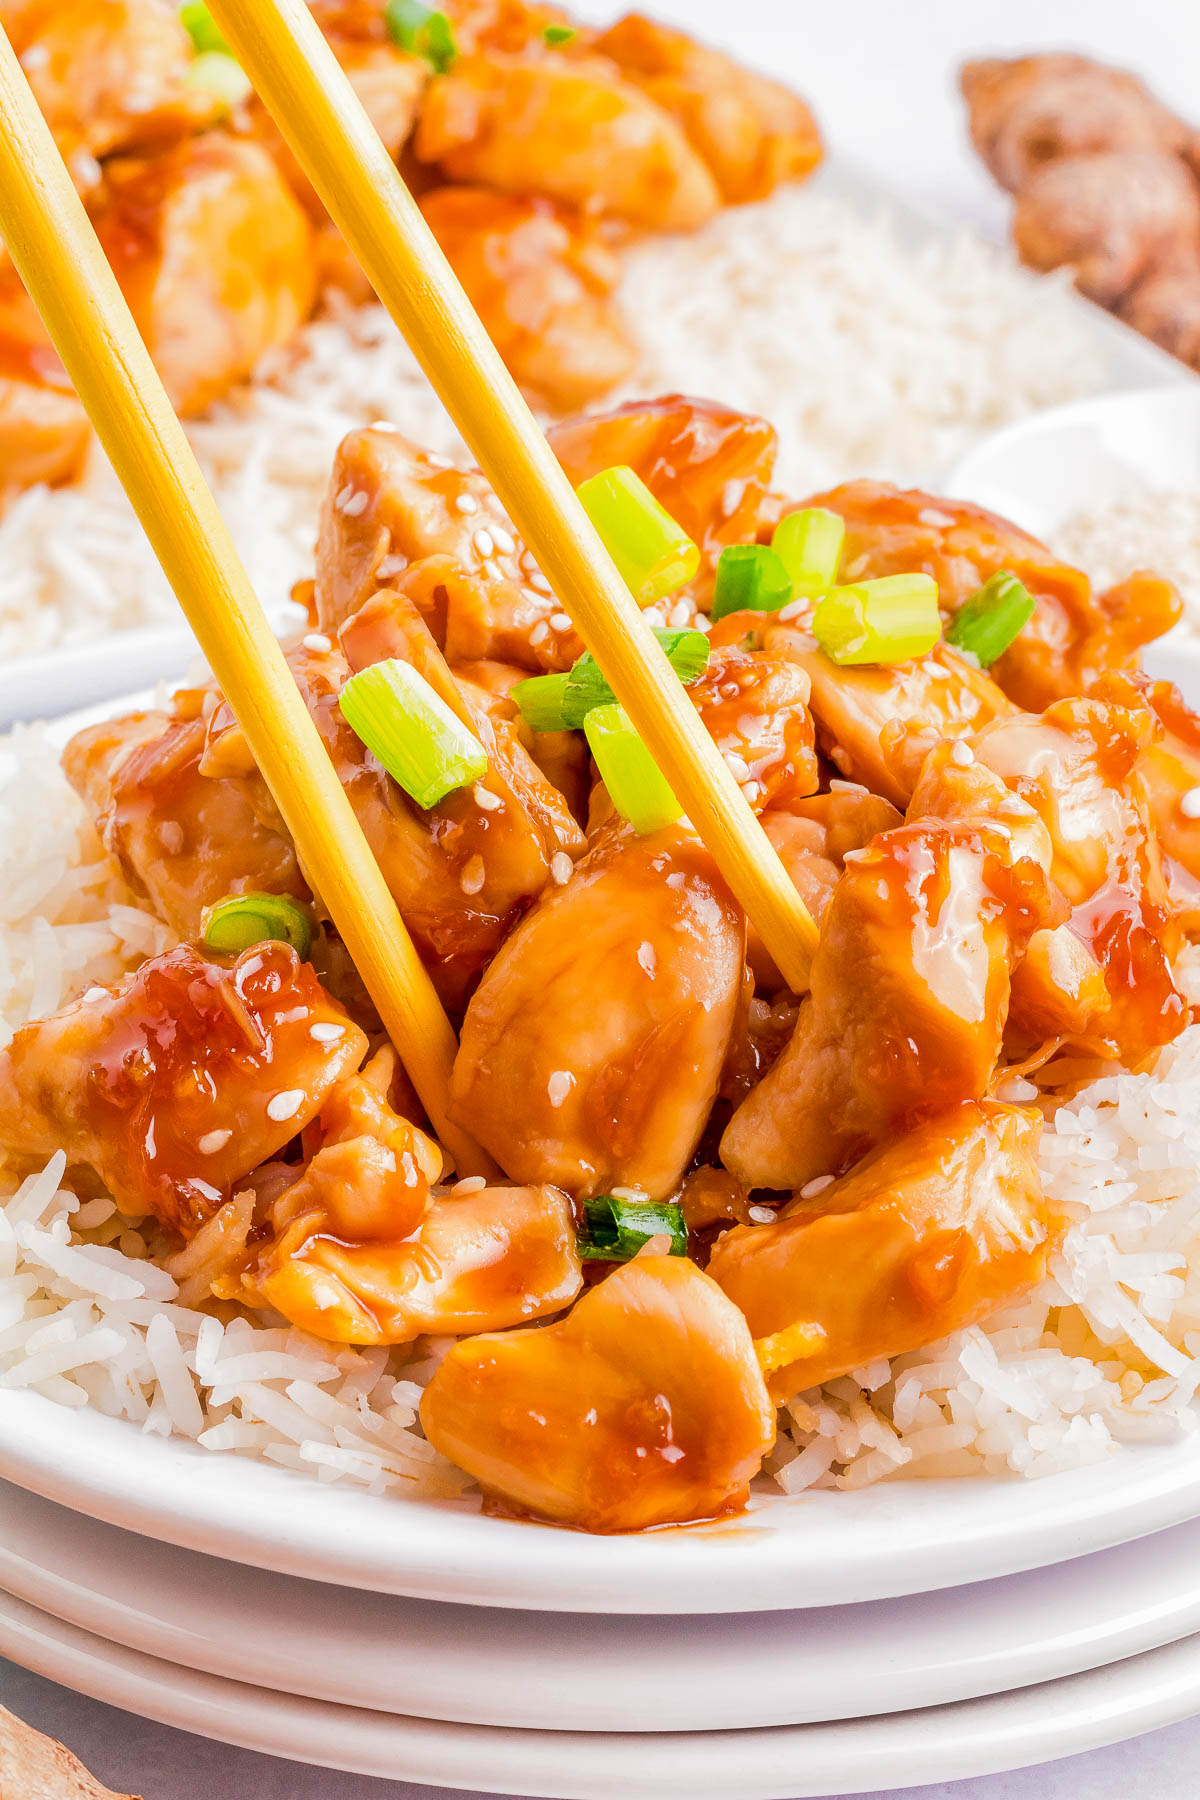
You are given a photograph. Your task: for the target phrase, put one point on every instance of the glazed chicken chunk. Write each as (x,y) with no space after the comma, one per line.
(591,1052)
(928,1234)
(646,1405)
(179,1081)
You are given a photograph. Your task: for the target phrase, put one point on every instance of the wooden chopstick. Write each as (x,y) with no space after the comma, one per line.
(312,102)
(58,257)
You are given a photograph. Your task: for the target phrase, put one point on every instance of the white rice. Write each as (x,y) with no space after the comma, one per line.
(1105,1353)
(871,357)
(1139,531)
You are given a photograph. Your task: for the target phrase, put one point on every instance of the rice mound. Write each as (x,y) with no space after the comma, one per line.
(774,307)
(1105,1353)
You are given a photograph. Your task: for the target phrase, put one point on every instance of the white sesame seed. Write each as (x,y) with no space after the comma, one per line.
(963,754)
(1189,806)
(816,1186)
(470,1184)
(858,567)
(560,868)
(540,632)
(737,765)
(324,1033)
(484,542)
(383,425)
(679,614)
(559,1086)
(732,495)
(846,787)
(344,494)
(647,958)
(466,504)
(170,836)
(539,584)
(506,543)
(762,1215)
(316,640)
(437,462)
(490,802)
(793,610)
(752,791)
(357,504)
(929,515)
(212,1141)
(36,57)
(473,875)
(700,623)
(1016,1089)
(492,569)
(94,993)
(392,565)
(560,622)
(285,1105)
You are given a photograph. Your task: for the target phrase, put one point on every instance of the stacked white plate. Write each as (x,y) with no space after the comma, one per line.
(823,1645)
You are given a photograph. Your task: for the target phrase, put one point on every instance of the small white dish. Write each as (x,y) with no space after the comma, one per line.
(1052,465)
(500,1667)
(788,1763)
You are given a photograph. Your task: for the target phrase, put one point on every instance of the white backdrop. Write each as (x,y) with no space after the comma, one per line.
(881,75)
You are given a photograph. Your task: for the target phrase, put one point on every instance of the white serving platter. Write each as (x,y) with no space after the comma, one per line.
(788,1763)
(500,1667)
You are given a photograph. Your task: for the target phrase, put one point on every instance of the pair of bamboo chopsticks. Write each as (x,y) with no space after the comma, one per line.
(59,259)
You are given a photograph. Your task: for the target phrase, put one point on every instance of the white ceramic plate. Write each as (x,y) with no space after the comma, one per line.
(486,1666)
(789,1763)
(1054,464)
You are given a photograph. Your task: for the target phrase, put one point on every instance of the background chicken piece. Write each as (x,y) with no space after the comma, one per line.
(214,255)
(108,75)
(44,432)
(752,133)
(179,1081)
(1033,110)
(572,130)
(1114,218)
(541,277)
(183,838)
(709,466)
(479,1261)
(591,1052)
(1165,305)
(756,711)
(925,1236)
(910,988)
(1075,634)
(645,1406)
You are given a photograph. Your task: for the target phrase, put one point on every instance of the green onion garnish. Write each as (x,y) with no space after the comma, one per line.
(216,73)
(636,785)
(750,578)
(554,35)
(614,1230)
(652,553)
(243,919)
(202,28)
(986,624)
(541,700)
(890,620)
(412,731)
(687,652)
(809,544)
(422,31)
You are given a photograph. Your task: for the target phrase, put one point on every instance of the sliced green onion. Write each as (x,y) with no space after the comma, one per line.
(687,652)
(412,731)
(809,544)
(636,785)
(750,578)
(541,699)
(653,554)
(202,28)
(243,919)
(614,1229)
(890,620)
(986,624)
(423,31)
(216,73)
(554,35)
